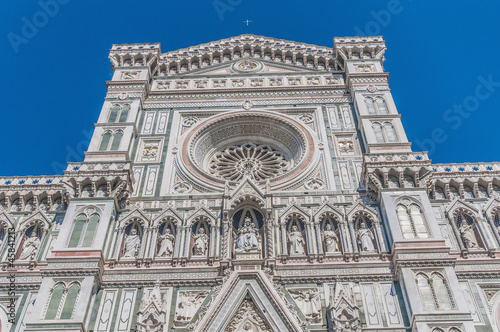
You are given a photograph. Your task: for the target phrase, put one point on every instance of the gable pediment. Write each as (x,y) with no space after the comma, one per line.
(259,67)
(255,293)
(216,58)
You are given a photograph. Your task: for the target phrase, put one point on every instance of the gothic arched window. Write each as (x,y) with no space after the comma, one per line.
(379,135)
(62,300)
(390,133)
(113,113)
(116,140)
(370,106)
(412,222)
(106,138)
(434,292)
(381,106)
(124,113)
(84,229)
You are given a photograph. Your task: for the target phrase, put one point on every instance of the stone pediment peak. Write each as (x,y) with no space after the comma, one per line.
(37,215)
(242,40)
(262,297)
(297,56)
(327,206)
(166,213)
(457,203)
(135,213)
(492,203)
(294,207)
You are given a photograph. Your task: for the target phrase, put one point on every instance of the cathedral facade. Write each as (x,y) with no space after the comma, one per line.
(252,184)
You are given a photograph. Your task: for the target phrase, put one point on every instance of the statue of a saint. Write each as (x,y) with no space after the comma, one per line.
(330,239)
(166,244)
(200,243)
(30,247)
(296,241)
(132,244)
(248,237)
(365,238)
(467,235)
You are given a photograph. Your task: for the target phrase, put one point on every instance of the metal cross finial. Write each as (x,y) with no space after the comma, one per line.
(247,21)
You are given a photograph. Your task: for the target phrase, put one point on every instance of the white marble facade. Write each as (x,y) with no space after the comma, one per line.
(252,184)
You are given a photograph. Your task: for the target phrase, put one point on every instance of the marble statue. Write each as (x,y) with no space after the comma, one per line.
(132,244)
(365,238)
(296,241)
(200,243)
(467,235)
(166,241)
(248,237)
(30,247)
(330,239)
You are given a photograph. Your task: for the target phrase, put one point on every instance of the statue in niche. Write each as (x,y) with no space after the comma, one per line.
(296,241)
(200,243)
(30,247)
(248,237)
(132,244)
(331,239)
(468,236)
(166,244)
(308,302)
(365,238)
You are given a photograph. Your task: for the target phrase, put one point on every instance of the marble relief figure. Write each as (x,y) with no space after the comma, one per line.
(296,241)
(30,247)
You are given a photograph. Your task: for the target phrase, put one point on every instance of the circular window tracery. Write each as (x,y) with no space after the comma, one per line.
(259,161)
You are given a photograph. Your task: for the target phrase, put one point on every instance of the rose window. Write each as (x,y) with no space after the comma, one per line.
(261,162)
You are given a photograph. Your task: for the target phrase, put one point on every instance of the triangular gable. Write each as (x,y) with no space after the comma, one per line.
(268,67)
(360,206)
(36,215)
(247,189)
(205,57)
(328,207)
(5,220)
(490,205)
(135,213)
(263,41)
(202,211)
(167,213)
(457,203)
(248,318)
(294,208)
(243,286)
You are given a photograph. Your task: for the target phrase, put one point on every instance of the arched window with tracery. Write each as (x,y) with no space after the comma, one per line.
(118,113)
(376,106)
(117,138)
(412,221)
(84,230)
(379,135)
(434,291)
(62,300)
(111,140)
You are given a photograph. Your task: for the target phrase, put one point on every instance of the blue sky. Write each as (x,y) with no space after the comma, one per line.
(443,57)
